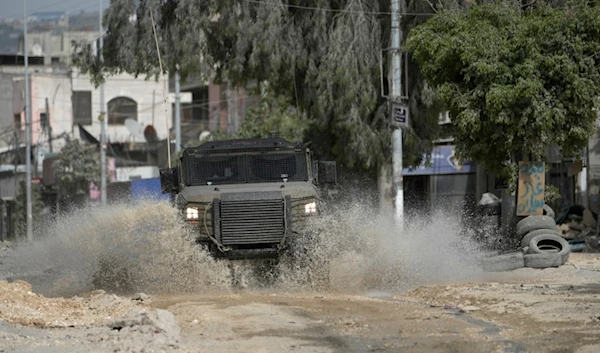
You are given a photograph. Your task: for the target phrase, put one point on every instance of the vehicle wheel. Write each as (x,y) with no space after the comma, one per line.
(548,211)
(531,223)
(546,243)
(527,238)
(543,260)
(504,262)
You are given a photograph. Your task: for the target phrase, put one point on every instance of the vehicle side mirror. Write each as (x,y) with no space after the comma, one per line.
(169,180)
(326,172)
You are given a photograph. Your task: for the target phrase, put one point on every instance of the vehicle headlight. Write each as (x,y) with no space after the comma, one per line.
(310,208)
(191,213)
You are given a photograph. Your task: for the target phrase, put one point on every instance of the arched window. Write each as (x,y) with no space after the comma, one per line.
(121,108)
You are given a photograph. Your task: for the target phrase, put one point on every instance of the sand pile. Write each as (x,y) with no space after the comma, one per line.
(19,305)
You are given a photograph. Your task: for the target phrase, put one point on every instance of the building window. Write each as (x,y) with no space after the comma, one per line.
(17,122)
(44,121)
(121,108)
(82,107)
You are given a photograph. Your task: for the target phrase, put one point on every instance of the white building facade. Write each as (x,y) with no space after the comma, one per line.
(125,97)
(60,102)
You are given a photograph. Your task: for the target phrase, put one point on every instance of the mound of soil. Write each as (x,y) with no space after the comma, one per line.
(19,305)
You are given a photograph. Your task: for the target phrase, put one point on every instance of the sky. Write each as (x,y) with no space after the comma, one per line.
(14,8)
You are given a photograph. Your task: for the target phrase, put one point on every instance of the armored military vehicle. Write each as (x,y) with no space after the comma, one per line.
(247,198)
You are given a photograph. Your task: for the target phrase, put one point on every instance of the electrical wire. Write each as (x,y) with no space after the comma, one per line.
(358,12)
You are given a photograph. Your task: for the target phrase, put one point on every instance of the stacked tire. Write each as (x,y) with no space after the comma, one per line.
(541,246)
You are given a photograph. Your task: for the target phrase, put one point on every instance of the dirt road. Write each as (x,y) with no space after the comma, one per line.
(552,310)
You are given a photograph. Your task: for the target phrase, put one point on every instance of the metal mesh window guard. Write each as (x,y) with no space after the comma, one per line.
(276,167)
(247,168)
(216,170)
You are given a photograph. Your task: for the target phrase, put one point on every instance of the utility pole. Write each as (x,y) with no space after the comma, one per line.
(177,111)
(27,130)
(102,116)
(399,113)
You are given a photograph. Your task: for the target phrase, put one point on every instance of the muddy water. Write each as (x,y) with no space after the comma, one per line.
(357,250)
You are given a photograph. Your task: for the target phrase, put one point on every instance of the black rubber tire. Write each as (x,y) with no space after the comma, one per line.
(531,223)
(546,243)
(543,260)
(548,211)
(504,262)
(527,238)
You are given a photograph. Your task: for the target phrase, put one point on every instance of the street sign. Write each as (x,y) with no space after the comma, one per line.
(184,97)
(399,115)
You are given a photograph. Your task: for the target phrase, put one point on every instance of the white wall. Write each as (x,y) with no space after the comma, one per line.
(140,91)
(57,89)
(146,172)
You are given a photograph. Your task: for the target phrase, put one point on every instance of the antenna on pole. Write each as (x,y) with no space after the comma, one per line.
(164,86)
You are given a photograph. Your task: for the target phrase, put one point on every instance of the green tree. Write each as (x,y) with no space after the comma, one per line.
(20,215)
(273,113)
(77,167)
(515,80)
(324,60)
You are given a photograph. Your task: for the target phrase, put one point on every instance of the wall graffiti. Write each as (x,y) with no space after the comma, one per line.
(532,182)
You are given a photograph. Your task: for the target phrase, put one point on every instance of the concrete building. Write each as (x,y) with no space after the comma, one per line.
(62,101)
(11,66)
(56,45)
(126,97)
(214,107)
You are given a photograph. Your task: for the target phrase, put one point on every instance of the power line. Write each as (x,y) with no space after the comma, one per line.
(359,12)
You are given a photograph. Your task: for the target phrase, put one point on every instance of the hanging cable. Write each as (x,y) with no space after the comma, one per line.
(164,87)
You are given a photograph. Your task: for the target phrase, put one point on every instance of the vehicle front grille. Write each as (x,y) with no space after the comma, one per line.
(252,221)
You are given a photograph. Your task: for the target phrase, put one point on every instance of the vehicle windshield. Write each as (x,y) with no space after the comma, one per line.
(214,169)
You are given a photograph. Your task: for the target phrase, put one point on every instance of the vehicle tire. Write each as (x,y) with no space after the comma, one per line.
(527,238)
(543,260)
(504,262)
(548,211)
(530,223)
(546,243)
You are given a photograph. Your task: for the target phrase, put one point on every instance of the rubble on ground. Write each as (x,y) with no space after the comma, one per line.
(19,305)
(580,230)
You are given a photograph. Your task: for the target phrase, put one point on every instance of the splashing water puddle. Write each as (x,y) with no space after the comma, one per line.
(356,250)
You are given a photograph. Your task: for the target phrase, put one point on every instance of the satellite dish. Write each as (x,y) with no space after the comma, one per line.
(204,135)
(36,50)
(150,134)
(134,128)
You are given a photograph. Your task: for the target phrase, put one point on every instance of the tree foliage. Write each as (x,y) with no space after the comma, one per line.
(514,80)
(325,61)
(274,113)
(77,167)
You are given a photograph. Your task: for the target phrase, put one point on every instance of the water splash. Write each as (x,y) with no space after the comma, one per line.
(351,250)
(146,239)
